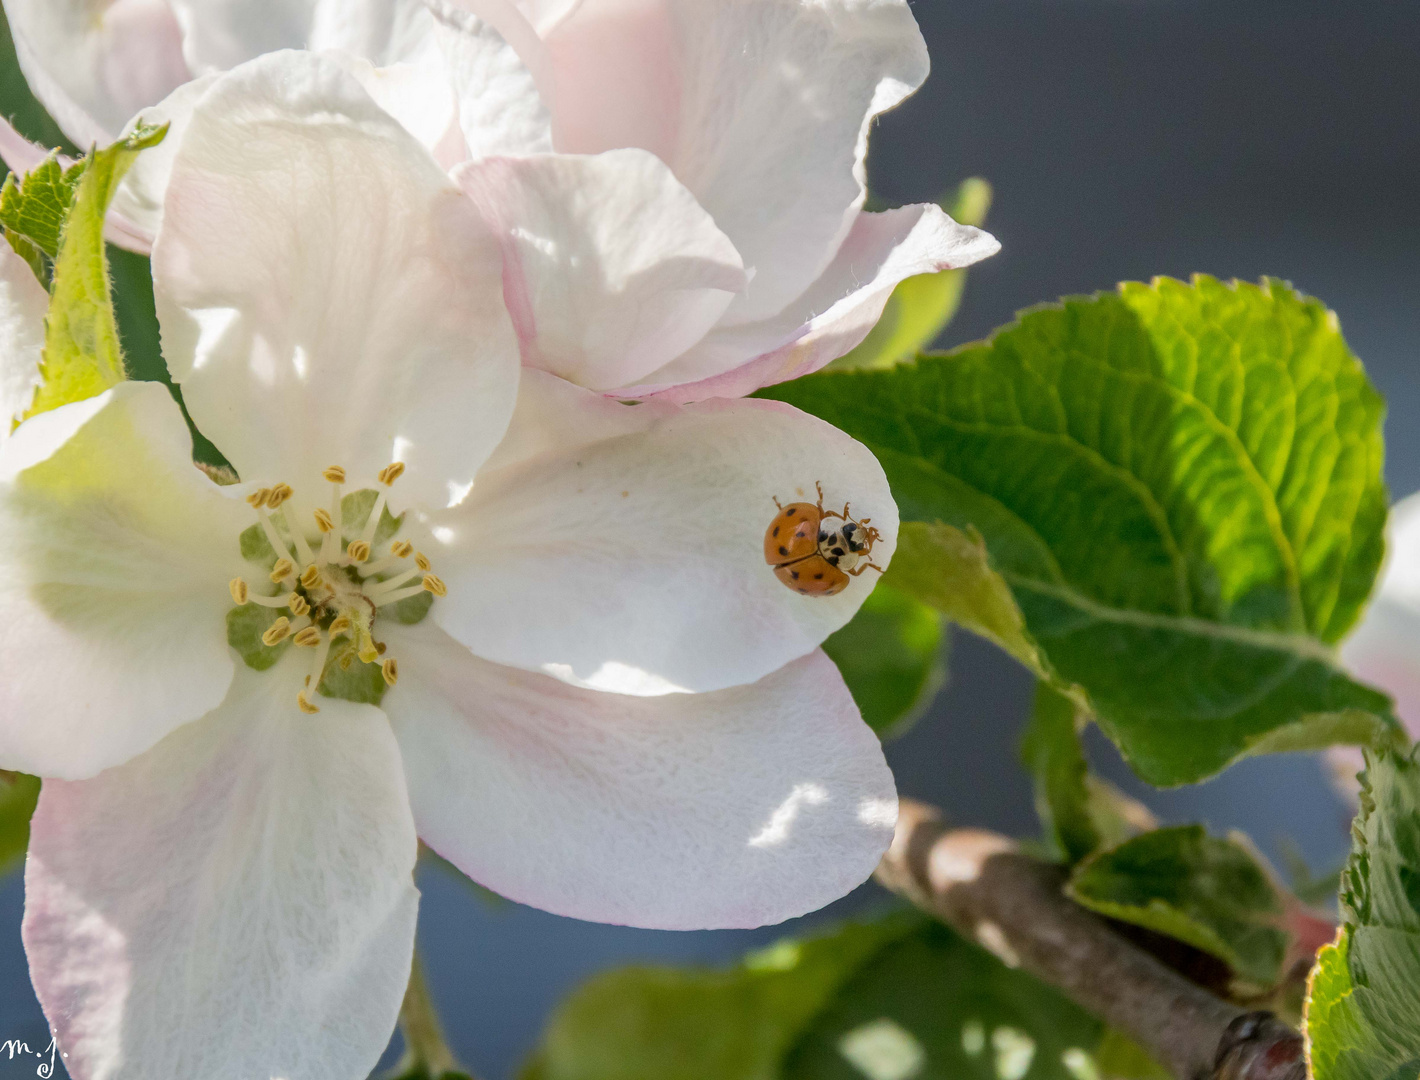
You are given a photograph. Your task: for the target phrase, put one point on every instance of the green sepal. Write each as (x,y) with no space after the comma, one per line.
(19,792)
(356,681)
(355,512)
(245,626)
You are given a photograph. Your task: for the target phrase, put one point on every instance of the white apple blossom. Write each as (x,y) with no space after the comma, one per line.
(1384,647)
(679,182)
(248,701)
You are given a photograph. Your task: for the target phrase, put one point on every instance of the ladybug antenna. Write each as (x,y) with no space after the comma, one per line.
(777,503)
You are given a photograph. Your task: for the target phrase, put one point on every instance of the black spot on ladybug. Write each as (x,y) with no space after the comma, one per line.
(790,512)
(783,550)
(818,577)
(794,574)
(838,551)
(776,530)
(850,529)
(832,561)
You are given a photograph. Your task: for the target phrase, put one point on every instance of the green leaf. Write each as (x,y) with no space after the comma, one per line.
(34,208)
(920,307)
(1207,892)
(901,997)
(1364,994)
(1179,487)
(82,353)
(18,795)
(893,657)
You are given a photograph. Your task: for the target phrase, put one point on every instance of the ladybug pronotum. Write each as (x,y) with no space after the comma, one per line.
(814,556)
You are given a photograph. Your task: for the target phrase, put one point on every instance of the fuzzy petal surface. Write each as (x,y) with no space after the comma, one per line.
(613,268)
(326,295)
(117,552)
(732,809)
(238,902)
(621,547)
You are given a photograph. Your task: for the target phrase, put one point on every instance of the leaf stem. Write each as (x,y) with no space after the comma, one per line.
(981,885)
(425,1049)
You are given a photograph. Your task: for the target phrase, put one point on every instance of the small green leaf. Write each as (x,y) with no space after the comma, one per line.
(82,352)
(35,207)
(18,795)
(1179,489)
(1207,892)
(1364,993)
(901,997)
(920,307)
(892,656)
(1121,1058)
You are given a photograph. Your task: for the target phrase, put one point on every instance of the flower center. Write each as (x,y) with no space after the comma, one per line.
(328,585)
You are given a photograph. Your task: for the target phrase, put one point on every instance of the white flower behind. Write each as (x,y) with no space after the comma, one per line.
(679,183)
(559,659)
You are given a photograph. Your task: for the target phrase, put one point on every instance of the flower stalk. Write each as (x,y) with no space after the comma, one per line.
(426,1052)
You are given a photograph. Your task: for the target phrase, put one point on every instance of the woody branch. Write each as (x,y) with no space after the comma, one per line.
(980,884)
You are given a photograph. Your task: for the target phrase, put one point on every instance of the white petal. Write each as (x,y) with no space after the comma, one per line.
(327,297)
(94,64)
(733,809)
(832,317)
(625,549)
(139,198)
(116,555)
(18,152)
(1384,648)
(221,34)
(500,109)
(770,138)
(613,268)
(236,903)
(23,304)
(417,95)
(384,32)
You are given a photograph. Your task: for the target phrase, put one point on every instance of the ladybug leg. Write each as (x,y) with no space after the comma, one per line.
(866,566)
(818,486)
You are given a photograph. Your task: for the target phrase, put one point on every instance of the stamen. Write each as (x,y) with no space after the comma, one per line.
(308,638)
(281,601)
(422,561)
(298,605)
(257,499)
(380,566)
(390,473)
(374,591)
(358,551)
(283,569)
(311,578)
(305,705)
(372,523)
(324,522)
(318,663)
(272,536)
(277,633)
(340,626)
(335,474)
(278,495)
(303,547)
(435,585)
(239,591)
(390,670)
(402,549)
(368,651)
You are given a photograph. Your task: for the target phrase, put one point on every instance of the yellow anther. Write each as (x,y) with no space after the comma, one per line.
(358,551)
(239,590)
(277,634)
(283,569)
(401,549)
(308,638)
(297,604)
(367,652)
(279,494)
(335,474)
(323,521)
(306,706)
(390,670)
(257,499)
(311,578)
(422,561)
(434,585)
(340,626)
(390,473)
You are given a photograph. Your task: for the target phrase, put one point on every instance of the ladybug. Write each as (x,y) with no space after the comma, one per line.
(813,555)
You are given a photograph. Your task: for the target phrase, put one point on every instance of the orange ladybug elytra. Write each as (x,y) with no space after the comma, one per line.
(809,555)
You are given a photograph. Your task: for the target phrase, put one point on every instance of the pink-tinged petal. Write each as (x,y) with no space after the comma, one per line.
(23,304)
(19,154)
(117,552)
(384,32)
(770,138)
(621,547)
(94,65)
(732,809)
(417,95)
(235,903)
(832,317)
(500,109)
(612,268)
(327,296)
(221,34)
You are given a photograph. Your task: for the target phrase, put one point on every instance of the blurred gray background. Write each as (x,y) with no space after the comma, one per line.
(1124,138)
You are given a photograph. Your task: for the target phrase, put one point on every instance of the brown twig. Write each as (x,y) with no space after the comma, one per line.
(980,884)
